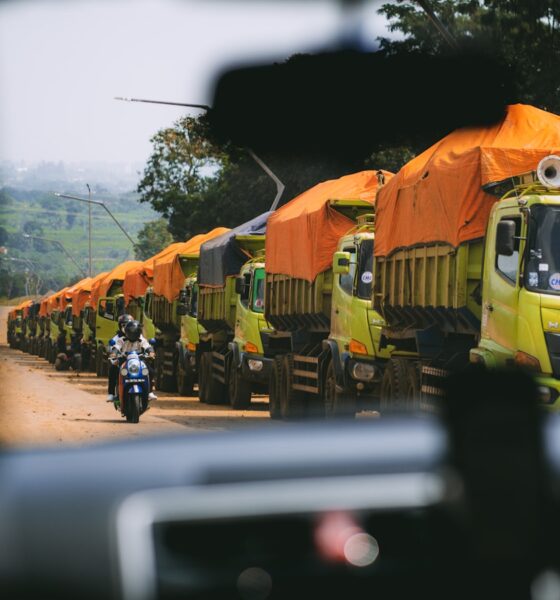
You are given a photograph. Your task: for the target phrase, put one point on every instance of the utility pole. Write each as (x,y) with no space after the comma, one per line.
(437,23)
(89,227)
(99,203)
(277,182)
(59,245)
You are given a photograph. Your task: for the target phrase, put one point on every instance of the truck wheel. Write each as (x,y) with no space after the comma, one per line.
(202,377)
(274,389)
(168,374)
(239,389)
(413,396)
(98,365)
(337,404)
(52,354)
(395,384)
(291,401)
(185,378)
(214,392)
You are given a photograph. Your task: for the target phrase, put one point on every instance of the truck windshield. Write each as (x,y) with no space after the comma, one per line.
(365,270)
(543,253)
(193,311)
(258,291)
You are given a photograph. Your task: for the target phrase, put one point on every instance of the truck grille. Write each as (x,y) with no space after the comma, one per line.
(553,344)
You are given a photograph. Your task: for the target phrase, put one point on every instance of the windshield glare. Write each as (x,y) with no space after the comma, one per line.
(543,251)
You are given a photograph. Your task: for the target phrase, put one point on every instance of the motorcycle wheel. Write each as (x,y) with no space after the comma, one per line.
(133,409)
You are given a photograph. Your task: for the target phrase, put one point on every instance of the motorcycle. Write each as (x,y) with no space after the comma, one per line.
(133,385)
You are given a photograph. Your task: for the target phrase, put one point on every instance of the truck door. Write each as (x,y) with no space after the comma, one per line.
(501,290)
(343,288)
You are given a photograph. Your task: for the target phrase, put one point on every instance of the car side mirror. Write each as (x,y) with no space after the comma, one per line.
(341,263)
(239,285)
(505,238)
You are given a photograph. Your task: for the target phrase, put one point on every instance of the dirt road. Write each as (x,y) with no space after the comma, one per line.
(40,406)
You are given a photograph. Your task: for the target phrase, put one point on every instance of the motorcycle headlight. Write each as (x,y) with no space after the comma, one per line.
(124,372)
(134,367)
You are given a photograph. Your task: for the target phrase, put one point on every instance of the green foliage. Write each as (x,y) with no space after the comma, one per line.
(199,185)
(152,238)
(525,34)
(39,213)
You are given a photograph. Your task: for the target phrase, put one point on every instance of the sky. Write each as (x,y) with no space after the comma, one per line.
(63,61)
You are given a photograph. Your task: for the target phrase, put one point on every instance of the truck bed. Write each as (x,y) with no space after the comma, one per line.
(416,288)
(292,303)
(164,314)
(216,307)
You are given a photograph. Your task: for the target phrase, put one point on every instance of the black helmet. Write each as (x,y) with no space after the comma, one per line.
(123,320)
(133,330)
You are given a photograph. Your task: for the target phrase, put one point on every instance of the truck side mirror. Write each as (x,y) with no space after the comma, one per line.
(505,238)
(341,263)
(239,285)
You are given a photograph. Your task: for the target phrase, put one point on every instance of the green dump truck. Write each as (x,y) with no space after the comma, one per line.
(326,334)
(233,365)
(176,330)
(492,300)
(15,323)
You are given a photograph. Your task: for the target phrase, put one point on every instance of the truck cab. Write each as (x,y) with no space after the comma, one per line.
(355,325)
(520,320)
(253,367)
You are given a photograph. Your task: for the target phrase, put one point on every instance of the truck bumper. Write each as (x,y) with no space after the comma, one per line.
(251,370)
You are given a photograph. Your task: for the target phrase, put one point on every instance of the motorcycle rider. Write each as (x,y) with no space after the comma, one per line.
(114,368)
(134,341)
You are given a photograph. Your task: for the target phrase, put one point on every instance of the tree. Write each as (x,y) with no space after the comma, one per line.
(525,34)
(198,184)
(152,238)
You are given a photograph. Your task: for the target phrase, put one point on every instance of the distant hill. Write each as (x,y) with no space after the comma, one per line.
(39,213)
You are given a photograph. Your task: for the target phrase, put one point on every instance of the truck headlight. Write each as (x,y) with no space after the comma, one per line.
(362,371)
(255,365)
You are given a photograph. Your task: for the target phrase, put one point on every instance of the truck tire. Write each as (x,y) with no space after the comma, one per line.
(274,388)
(168,382)
(52,354)
(213,392)
(185,378)
(394,384)
(292,404)
(98,365)
(337,404)
(414,386)
(239,389)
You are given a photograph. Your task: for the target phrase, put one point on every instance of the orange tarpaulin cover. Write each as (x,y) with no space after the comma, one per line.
(53,302)
(302,235)
(81,297)
(100,287)
(437,196)
(82,288)
(137,280)
(168,277)
(26,306)
(43,308)
(68,296)
(94,288)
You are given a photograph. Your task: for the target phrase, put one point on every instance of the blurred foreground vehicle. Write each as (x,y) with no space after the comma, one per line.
(462,506)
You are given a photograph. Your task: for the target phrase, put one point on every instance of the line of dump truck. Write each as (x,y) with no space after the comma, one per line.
(362,292)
